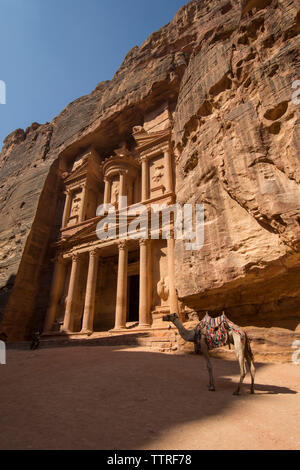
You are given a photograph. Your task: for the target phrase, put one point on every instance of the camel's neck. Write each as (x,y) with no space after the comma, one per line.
(187,335)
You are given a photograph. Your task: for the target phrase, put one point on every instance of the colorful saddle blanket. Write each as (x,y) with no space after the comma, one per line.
(215,331)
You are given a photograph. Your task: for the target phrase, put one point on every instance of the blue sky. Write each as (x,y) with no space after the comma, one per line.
(53,52)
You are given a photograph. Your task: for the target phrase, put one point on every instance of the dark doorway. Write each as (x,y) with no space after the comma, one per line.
(134,298)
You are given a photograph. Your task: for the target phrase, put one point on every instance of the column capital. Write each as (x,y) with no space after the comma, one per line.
(143,159)
(75,257)
(68,192)
(58,258)
(123,244)
(123,172)
(94,253)
(143,241)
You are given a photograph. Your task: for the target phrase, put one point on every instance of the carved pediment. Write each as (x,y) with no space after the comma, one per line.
(78,174)
(148,139)
(83,166)
(77,233)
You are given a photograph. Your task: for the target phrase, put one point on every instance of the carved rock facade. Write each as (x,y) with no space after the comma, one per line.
(214,88)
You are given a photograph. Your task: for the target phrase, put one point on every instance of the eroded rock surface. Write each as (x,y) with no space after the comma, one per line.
(226,69)
(236,135)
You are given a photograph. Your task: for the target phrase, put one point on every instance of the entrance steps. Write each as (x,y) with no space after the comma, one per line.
(160,339)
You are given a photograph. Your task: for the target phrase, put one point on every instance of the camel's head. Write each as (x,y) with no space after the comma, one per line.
(171,317)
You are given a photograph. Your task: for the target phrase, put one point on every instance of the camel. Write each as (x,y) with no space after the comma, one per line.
(238,338)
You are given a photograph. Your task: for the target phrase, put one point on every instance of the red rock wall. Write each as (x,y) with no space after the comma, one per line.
(226,69)
(236,134)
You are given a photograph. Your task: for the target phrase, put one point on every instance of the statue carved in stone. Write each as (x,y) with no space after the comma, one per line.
(158,174)
(75,205)
(115,196)
(163,288)
(75,209)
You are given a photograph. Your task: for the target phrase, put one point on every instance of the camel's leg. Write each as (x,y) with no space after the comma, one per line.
(252,371)
(205,353)
(251,367)
(239,345)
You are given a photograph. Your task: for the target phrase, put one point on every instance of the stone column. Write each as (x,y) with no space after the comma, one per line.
(107,191)
(91,284)
(144,270)
(130,192)
(83,204)
(56,292)
(137,190)
(67,208)
(149,282)
(121,302)
(122,188)
(168,166)
(71,299)
(145,185)
(171,274)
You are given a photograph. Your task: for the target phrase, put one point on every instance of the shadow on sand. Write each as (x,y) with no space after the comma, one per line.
(113,397)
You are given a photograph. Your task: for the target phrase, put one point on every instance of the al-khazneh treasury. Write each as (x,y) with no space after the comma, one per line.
(205,111)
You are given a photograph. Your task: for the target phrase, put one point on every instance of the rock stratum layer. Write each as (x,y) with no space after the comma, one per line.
(226,68)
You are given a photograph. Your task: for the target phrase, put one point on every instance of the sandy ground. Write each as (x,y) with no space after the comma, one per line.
(118,398)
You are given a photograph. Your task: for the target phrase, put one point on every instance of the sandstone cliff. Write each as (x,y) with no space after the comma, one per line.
(236,135)
(226,69)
